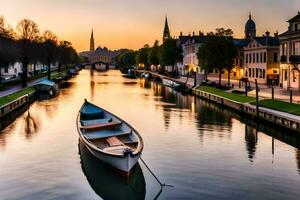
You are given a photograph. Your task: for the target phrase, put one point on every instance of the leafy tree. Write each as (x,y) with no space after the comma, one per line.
(170,53)
(218,52)
(142,56)
(153,56)
(28,33)
(126,60)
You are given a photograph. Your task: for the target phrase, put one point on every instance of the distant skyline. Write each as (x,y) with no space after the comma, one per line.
(133,23)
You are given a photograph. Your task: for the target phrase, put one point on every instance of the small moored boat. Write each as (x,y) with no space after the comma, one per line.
(109,138)
(46,86)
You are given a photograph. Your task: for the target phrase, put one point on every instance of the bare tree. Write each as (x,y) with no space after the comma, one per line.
(28,30)
(50,44)
(28,33)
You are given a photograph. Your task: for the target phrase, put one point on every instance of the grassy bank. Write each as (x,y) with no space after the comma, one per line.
(280,106)
(6,99)
(235,97)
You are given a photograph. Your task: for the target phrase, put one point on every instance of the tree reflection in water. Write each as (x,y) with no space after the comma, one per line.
(8,124)
(32,125)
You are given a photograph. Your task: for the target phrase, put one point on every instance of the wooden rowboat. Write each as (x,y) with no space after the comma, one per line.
(107,183)
(109,138)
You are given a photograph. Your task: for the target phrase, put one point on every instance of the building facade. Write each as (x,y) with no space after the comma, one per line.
(190,50)
(261,56)
(101,54)
(290,55)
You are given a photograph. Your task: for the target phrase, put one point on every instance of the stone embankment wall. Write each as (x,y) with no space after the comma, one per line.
(283,119)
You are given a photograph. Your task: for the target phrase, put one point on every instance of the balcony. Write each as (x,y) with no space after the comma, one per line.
(294,59)
(283,59)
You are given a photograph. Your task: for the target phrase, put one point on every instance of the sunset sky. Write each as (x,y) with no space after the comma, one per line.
(133,23)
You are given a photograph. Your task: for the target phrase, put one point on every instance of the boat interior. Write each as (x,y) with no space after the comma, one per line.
(106,132)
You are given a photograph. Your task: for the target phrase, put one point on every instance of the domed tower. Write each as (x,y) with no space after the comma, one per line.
(250,28)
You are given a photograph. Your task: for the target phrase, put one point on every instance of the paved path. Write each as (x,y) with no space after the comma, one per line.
(265,91)
(19,87)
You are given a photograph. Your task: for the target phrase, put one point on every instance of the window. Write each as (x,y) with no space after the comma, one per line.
(283,49)
(264,73)
(253,57)
(297,48)
(250,58)
(265,57)
(285,75)
(296,27)
(256,73)
(294,76)
(246,58)
(261,57)
(250,72)
(260,73)
(257,57)
(275,57)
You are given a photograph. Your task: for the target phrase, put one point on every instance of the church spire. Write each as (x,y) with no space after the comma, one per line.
(166,34)
(92,42)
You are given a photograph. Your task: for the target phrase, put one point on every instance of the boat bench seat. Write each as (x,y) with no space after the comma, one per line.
(105,134)
(95,121)
(100,126)
(114,141)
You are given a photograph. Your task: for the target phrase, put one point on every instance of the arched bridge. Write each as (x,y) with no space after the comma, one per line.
(99,65)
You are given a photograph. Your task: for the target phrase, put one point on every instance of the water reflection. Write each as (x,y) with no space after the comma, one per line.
(29,124)
(92,88)
(173,104)
(206,148)
(251,141)
(298,159)
(108,184)
(32,124)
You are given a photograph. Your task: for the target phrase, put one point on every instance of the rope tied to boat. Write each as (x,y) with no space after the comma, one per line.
(156,178)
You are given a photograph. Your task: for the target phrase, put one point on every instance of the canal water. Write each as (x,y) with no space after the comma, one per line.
(204,151)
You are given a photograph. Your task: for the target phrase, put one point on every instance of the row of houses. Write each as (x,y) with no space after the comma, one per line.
(15,70)
(268,58)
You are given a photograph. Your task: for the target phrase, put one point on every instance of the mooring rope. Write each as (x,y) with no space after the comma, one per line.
(160,183)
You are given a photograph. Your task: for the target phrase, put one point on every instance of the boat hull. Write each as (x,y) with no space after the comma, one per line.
(124,164)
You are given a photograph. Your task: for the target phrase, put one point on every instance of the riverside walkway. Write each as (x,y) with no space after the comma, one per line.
(265,91)
(18,87)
